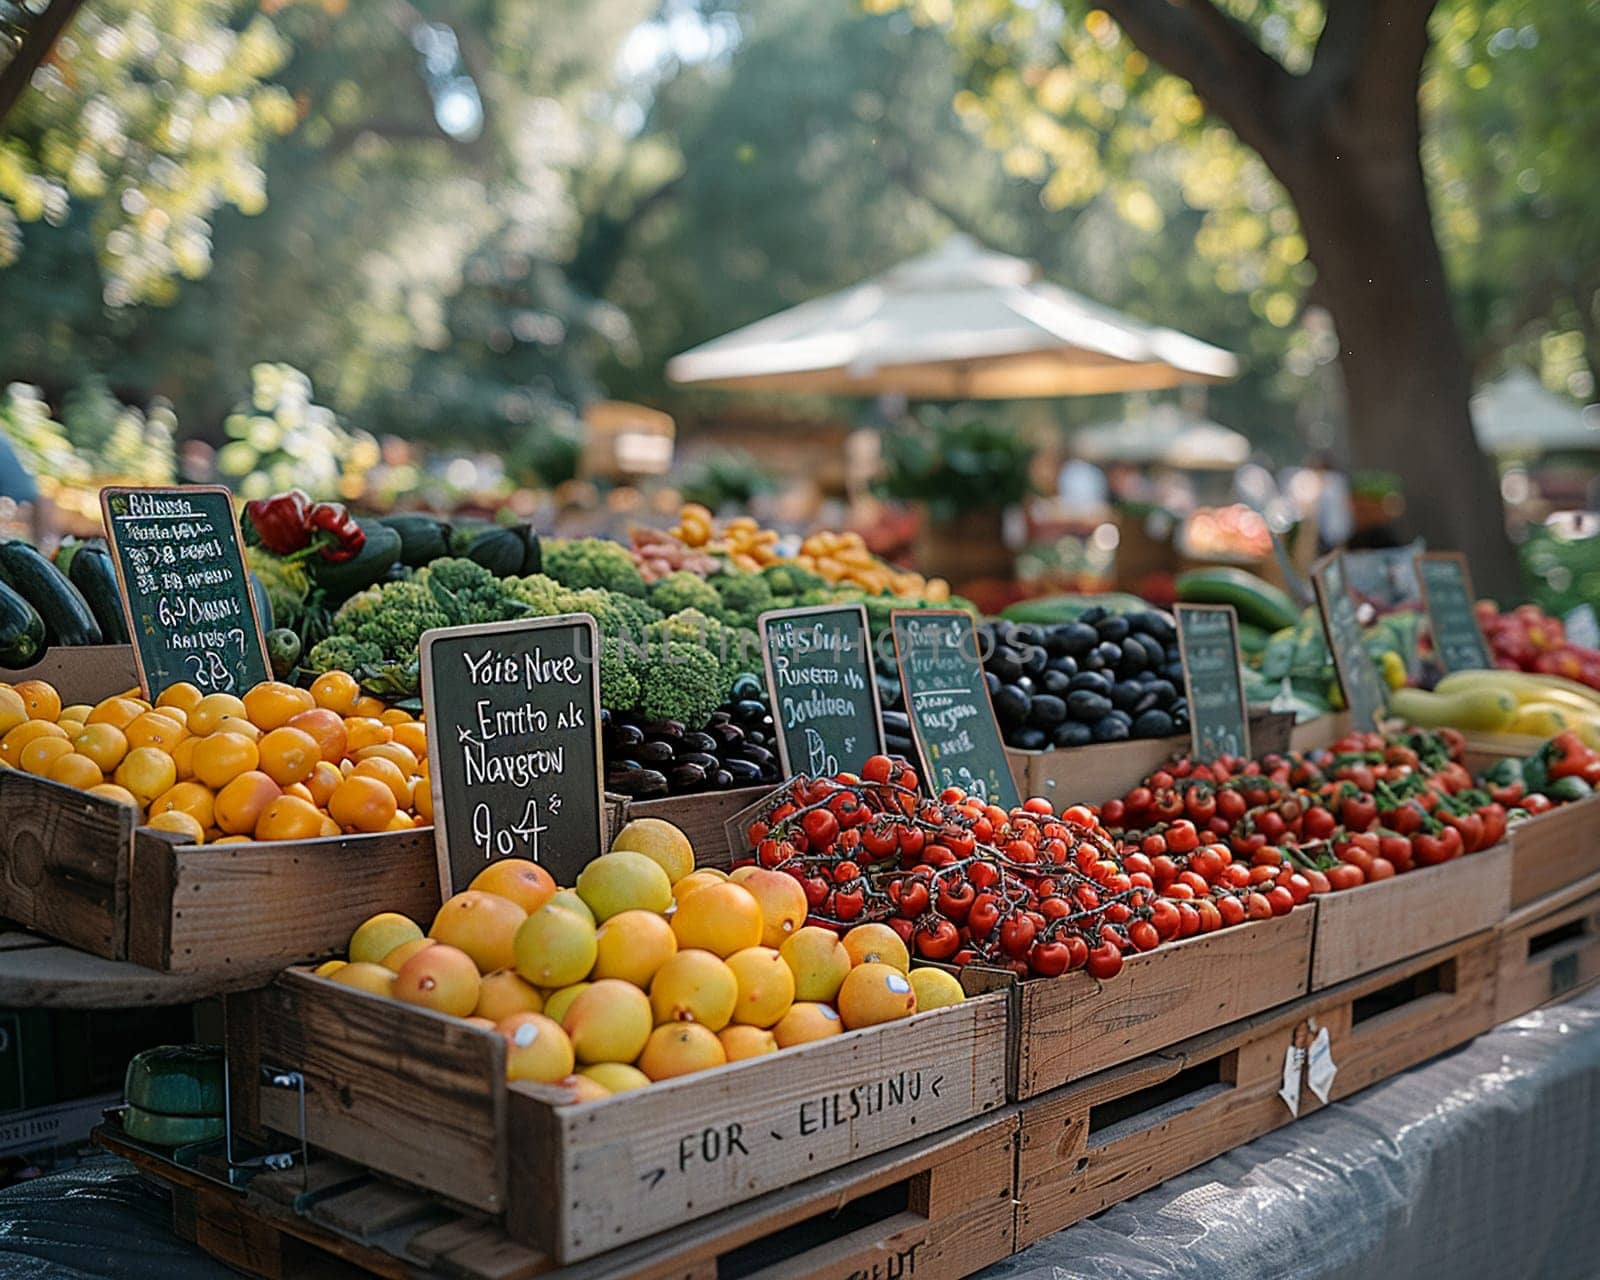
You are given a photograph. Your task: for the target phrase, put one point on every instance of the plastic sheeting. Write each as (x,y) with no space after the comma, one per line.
(1485,1162)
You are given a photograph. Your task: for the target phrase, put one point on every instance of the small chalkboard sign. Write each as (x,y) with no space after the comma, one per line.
(513,716)
(1447,596)
(1364,691)
(947,701)
(824,694)
(1213,682)
(185,588)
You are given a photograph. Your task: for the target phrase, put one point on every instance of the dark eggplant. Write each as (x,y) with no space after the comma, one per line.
(637,784)
(719,779)
(1026,684)
(1086,706)
(1047,711)
(748,709)
(1126,693)
(1006,663)
(1093,681)
(1092,614)
(1113,628)
(744,773)
(704,759)
(1153,723)
(686,776)
(746,687)
(991,682)
(1030,739)
(1056,682)
(1067,666)
(1011,705)
(727,735)
(896,722)
(1033,658)
(1132,661)
(655,751)
(697,741)
(1108,729)
(1072,733)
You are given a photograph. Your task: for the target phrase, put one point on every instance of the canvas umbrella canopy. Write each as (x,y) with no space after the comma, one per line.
(1517,415)
(960,323)
(1166,435)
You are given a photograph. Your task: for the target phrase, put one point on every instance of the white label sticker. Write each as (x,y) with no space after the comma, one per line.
(1293,1065)
(1321,1069)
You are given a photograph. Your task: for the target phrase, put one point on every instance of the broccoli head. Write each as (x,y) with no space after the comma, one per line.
(682,682)
(342,653)
(580,563)
(469,593)
(619,676)
(735,648)
(392,617)
(685,590)
(540,592)
(745,596)
(790,579)
(614,614)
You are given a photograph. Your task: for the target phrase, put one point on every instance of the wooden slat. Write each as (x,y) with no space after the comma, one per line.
(1554,850)
(1548,950)
(51,976)
(1379,924)
(82,673)
(371,1208)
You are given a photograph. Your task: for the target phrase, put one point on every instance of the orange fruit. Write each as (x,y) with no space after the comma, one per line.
(105,744)
(187,797)
(272,702)
(481,924)
(116,711)
(336,691)
(324,778)
(388,773)
(41,753)
(394,715)
(300,791)
(413,736)
(330,828)
(219,758)
(362,804)
(422,798)
(401,756)
(41,699)
(400,822)
(364,731)
(289,755)
(153,729)
(207,714)
(179,821)
(111,791)
(525,883)
(78,711)
(13,710)
(239,727)
(240,804)
(72,728)
(327,727)
(183,696)
(12,744)
(147,772)
(367,705)
(75,770)
(289,818)
(183,757)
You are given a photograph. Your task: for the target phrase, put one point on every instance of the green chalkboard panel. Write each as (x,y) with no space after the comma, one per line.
(185,588)
(824,696)
(1447,596)
(1364,691)
(952,719)
(513,716)
(1219,716)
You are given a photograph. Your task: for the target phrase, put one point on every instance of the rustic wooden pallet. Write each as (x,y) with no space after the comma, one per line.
(938,1207)
(1378,924)
(1548,949)
(423,1098)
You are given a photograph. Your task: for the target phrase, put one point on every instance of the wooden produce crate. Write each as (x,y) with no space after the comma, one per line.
(1383,922)
(423,1098)
(1073,1026)
(1554,850)
(700,817)
(1548,949)
(85,673)
(1095,774)
(939,1207)
(1320,732)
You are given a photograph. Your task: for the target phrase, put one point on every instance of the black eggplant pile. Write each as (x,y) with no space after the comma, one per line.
(1106,677)
(648,759)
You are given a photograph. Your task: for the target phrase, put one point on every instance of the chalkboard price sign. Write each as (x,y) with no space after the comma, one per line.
(1213,684)
(513,717)
(1447,596)
(1364,691)
(185,588)
(824,696)
(947,701)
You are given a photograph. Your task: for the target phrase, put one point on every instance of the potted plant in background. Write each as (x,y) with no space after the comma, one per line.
(962,473)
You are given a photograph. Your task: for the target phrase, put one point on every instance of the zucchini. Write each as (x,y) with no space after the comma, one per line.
(1255,600)
(1067,608)
(423,539)
(339,581)
(533,558)
(90,570)
(22,640)
(66,614)
(500,551)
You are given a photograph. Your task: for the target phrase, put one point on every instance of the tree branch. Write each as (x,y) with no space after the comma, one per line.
(1368,60)
(37,41)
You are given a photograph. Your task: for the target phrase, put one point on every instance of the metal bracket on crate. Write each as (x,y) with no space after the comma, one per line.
(275,1078)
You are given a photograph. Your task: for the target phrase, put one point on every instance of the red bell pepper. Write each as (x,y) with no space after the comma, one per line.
(280,521)
(344,537)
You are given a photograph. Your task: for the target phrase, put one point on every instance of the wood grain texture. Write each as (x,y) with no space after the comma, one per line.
(1554,850)
(48,975)
(255,908)
(1379,924)
(414,1094)
(1548,950)
(605,1174)
(700,817)
(64,863)
(1072,1026)
(83,673)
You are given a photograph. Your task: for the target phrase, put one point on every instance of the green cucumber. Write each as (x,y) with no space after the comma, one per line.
(423,539)
(176,1080)
(1256,601)
(1047,610)
(65,613)
(500,551)
(22,641)
(90,570)
(380,553)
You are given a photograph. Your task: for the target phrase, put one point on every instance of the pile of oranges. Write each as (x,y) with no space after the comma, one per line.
(280,763)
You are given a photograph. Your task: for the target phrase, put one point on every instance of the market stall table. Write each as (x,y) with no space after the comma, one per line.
(40,973)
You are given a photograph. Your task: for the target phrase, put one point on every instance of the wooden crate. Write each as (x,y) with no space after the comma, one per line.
(939,1207)
(1095,774)
(423,1098)
(1320,731)
(700,817)
(1383,922)
(1072,1026)
(1554,850)
(1548,949)
(86,673)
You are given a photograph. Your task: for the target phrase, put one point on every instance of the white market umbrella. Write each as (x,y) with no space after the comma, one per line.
(1166,435)
(1517,415)
(960,323)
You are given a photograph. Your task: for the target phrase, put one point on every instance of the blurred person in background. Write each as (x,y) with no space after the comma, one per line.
(24,509)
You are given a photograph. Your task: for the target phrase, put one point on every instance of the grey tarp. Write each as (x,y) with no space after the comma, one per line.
(1485,1162)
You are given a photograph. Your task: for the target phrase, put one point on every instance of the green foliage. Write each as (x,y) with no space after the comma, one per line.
(99,439)
(287,584)
(614,614)
(619,676)
(593,562)
(280,439)
(685,590)
(468,593)
(791,579)
(729,479)
(343,653)
(682,682)
(955,463)
(745,596)
(391,616)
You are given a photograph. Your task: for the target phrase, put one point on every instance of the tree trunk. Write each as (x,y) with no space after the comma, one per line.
(1359,189)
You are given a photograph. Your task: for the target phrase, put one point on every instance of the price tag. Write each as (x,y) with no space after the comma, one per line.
(1320,1068)
(824,695)
(1213,681)
(1294,1060)
(1447,596)
(513,720)
(1364,691)
(185,588)
(947,701)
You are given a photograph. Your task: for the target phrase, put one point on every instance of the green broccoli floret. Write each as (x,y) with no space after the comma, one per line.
(542,593)
(619,676)
(681,682)
(812,596)
(736,649)
(685,590)
(342,653)
(469,593)
(792,579)
(580,563)
(286,582)
(745,596)
(392,617)
(614,614)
